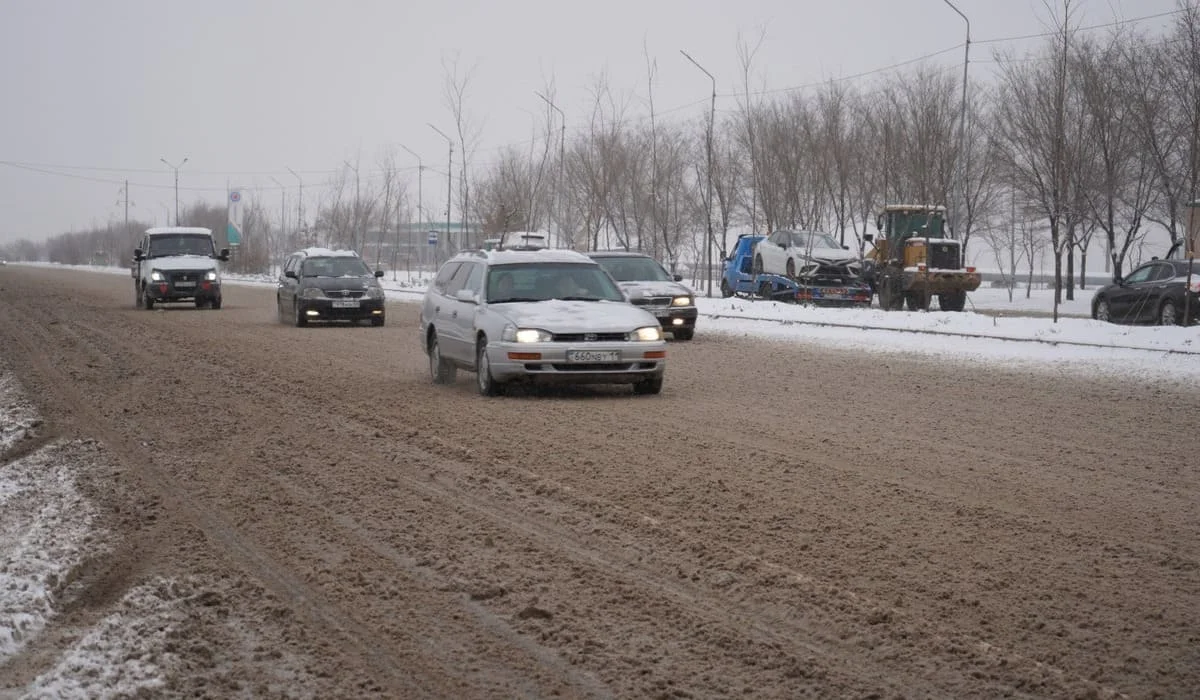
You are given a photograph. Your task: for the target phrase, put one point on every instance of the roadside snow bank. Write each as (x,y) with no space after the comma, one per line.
(18,418)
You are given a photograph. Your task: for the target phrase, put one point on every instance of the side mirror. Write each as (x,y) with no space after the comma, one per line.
(224,255)
(379,273)
(466,295)
(137,254)
(677,278)
(290,273)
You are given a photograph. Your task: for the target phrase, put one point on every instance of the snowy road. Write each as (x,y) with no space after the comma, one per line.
(300,512)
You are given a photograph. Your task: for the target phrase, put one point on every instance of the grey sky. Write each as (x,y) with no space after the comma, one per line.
(247,88)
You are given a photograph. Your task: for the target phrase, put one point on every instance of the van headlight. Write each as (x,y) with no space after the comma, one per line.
(156,276)
(646,334)
(681,301)
(211,275)
(512,334)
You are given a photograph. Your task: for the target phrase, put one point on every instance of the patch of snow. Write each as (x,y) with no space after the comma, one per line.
(17,415)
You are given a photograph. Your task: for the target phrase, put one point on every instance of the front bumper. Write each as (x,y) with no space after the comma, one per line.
(674,317)
(325,309)
(552,363)
(165,292)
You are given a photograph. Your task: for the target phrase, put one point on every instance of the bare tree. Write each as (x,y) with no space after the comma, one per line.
(466,128)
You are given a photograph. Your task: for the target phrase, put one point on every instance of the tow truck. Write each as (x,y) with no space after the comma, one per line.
(739,279)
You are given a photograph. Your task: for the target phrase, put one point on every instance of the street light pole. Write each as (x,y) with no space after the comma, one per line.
(282,211)
(962,124)
(299,202)
(420,194)
(708,147)
(562,160)
(449,182)
(176,169)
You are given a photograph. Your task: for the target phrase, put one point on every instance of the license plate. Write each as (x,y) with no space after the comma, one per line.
(832,292)
(593,356)
(181,283)
(345,303)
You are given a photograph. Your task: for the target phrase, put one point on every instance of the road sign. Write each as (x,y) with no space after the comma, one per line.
(433,238)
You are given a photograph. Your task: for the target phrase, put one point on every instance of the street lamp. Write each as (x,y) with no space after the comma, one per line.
(562,160)
(299,202)
(962,122)
(176,169)
(708,145)
(282,209)
(420,200)
(449,181)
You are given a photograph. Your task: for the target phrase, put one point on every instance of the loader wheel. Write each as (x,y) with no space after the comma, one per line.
(890,296)
(953,301)
(916,301)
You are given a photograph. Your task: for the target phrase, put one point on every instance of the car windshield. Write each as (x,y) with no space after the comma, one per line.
(335,266)
(180,244)
(543,281)
(813,240)
(634,269)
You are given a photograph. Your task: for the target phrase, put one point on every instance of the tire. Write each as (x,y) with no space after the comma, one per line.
(1168,314)
(199,303)
(215,304)
(684,333)
(484,381)
(300,319)
(725,290)
(1101,311)
(649,386)
(139,300)
(279,309)
(757,268)
(441,371)
(147,300)
(377,321)
(791,268)
(914,301)
(953,301)
(890,296)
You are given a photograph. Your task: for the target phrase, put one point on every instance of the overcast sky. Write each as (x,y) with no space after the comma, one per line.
(245,89)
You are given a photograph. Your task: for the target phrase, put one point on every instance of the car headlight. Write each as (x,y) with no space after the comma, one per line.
(156,276)
(681,301)
(211,275)
(312,293)
(646,334)
(374,292)
(514,334)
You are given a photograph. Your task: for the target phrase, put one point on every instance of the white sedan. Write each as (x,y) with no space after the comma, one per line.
(799,254)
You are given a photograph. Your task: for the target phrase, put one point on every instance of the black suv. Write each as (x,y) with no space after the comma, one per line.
(319,284)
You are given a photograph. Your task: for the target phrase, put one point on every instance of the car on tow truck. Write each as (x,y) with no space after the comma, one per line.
(648,285)
(837,284)
(537,316)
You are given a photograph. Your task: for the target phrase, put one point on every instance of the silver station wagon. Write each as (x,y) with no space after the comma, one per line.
(537,315)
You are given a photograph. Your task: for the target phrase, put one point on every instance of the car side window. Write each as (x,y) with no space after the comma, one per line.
(444,275)
(1140,275)
(475,280)
(1162,272)
(459,279)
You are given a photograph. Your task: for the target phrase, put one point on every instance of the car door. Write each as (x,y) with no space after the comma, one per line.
(435,298)
(1157,289)
(1129,300)
(286,287)
(450,328)
(772,253)
(465,311)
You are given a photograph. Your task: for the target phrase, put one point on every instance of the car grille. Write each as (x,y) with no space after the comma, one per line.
(174,276)
(652,301)
(588,337)
(944,256)
(344,293)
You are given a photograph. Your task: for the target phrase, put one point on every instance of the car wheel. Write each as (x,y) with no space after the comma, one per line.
(1167,315)
(725,290)
(791,268)
(653,385)
(1102,312)
(139,300)
(215,303)
(199,303)
(487,384)
(377,321)
(440,370)
(684,333)
(301,320)
(147,300)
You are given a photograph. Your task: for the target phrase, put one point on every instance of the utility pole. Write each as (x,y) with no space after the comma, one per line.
(708,147)
(176,169)
(282,212)
(961,166)
(357,205)
(125,193)
(449,182)
(562,159)
(420,187)
(299,203)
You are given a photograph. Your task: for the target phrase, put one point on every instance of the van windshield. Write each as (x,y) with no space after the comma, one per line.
(180,244)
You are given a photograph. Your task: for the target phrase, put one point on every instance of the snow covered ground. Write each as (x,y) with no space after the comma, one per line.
(994,330)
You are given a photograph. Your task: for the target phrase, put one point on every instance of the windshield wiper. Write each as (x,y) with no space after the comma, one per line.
(507,300)
(579,298)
